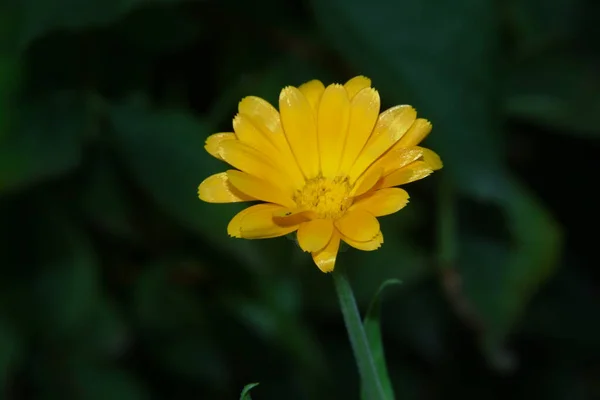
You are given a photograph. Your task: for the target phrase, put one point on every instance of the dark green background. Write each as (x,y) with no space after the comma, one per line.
(116,282)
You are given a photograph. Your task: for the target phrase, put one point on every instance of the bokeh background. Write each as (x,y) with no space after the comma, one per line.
(116,282)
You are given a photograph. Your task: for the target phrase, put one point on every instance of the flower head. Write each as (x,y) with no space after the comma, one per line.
(326,165)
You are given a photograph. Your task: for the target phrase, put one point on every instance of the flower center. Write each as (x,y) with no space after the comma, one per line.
(328,198)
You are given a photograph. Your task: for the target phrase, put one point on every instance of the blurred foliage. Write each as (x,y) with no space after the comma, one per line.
(118,283)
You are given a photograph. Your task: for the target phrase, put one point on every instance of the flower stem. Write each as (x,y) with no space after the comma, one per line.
(371,385)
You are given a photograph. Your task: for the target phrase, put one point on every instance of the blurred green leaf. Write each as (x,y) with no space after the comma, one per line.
(39,17)
(161,26)
(500,279)
(106,330)
(538,24)
(415,53)
(372,324)
(9,79)
(66,289)
(161,306)
(104,200)
(276,319)
(245,395)
(165,151)
(194,357)
(9,352)
(101,383)
(46,140)
(559,91)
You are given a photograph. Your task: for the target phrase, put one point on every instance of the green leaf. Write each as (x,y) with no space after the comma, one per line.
(538,24)
(10,348)
(415,53)
(9,80)
(500,278)
(46,140)
(245,395)
(100,383)
(164,149)
(39,17)
(558,91)
(67,286)
(160,305)
(372,324)
(104,200)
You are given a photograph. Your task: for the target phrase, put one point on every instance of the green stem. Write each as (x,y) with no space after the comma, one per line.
(372,387)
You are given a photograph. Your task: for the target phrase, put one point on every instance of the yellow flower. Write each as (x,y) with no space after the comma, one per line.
(326,165)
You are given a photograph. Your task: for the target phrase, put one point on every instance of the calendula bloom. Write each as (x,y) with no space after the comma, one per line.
(326,165)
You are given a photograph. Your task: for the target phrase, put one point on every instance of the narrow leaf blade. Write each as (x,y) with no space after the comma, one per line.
(245,395)
(372,325)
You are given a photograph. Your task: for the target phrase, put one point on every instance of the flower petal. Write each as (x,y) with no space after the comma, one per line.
(300,129)
(325,259)
(356,84)
(253,162)
(382,202)
(432,159)
(266,118)
(256,222)
(395,159)
(410,173)
(315,235)
(313,90)
(264,142)
(249,134)
(263,114)
(287,217)
(366,181)
(214,141)
(259,188)
(417,132)
(388,130)
(332,128)
(369,245)
(217,189)
(364,110)
(358,225)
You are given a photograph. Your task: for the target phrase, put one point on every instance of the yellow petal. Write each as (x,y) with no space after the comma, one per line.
(313,90)
(358,225)
(388,130)
(382,202)
(417,132)
(364,110)
(214,141)
(218,189)
(266,118)
(388,118)
(410,173)
(259,188)
(366,181)
(395,159)
(325,259)
(356,84)
(432,159)
(250,160)
(369,245)
(263,114)
(256,222)
(315,235)
(332,128)
(300,129)
(249,134)
(288,217)
(264,142)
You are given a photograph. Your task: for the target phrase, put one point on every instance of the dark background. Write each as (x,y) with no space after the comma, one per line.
(116,282)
